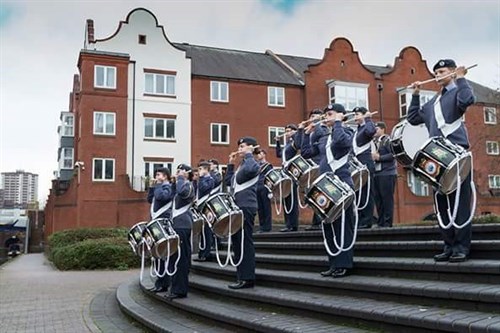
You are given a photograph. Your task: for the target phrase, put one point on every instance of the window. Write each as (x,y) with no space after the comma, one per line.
(349,94)
(219,133)
(160,84)
(68,123)
(159,128)
(492,148)
(150,167)
(105,77)
(273,132)
(275,96)
(104,123)
(490,115)
(219,91)
(494,181)
(405,96)
(142,39)
(103,169)
(66,161)
(416,185)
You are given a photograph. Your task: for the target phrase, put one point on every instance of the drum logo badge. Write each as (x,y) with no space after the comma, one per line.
(431,167)
(321,200)
(440,153)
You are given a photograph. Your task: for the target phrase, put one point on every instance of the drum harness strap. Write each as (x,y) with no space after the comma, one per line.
(448,129)
(160,211)
(358,150)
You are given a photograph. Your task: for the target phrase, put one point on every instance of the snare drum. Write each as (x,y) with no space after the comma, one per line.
(302,171)
(198,221)
(327,195)
(219,210)
(135,236)
(437,163)
(160,236)
(406,140)
(359,173)
(278,183)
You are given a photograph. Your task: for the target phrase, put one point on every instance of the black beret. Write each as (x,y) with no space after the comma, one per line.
(184,167)
(360,109)
(291,126)
(315,111)
(335,107)
(251,141)
(381,124)
(213,161)
(205,164)
(444,63)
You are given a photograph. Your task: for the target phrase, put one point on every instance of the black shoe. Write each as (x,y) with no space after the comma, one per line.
(202,259)
(445,256)
(328,272)
(242,284)
(285,230)
(458,257)
(159,289)
(364,226)
(340,272)
(172,296)
(312,227)
(293,229)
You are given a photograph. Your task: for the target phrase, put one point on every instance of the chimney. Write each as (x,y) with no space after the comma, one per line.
(90,31)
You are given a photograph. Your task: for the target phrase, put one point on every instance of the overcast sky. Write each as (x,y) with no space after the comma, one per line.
(40,42)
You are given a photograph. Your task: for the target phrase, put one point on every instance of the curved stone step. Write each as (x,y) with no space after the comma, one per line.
(393,316)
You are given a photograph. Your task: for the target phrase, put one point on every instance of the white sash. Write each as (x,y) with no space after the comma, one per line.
(180,211)
(362,149)
(160,211)
(445,128)
(334,164)
(215,190)
(240,187)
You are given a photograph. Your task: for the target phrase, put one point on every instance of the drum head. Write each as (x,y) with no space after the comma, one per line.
(308,177)
(283,188)
(197,226)
(228,224)
(336,211)
(166,247)
(448,182)
(360,178)
(406,140)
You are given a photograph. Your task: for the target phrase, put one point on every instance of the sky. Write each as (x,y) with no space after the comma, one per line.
(40,42)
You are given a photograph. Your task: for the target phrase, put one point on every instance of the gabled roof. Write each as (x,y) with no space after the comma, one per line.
(484,94)
(236,65)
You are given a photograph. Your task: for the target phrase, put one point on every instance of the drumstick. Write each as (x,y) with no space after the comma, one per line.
(439,78)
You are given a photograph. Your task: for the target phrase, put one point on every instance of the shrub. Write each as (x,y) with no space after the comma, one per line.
(111,252)
(67,237)
(489,218)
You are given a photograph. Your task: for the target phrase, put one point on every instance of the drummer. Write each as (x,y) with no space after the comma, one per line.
(263,199)
(442,116)
(334,159)
(206,184)
(291,203)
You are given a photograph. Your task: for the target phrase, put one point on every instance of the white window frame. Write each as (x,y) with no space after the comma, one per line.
(349,102)
(276,131)
(63,159)
(165,78)
(216,87)
(105,69)
(106,116)
(492,148)
(488,110)
(103,174)
(494,181)
(275,101)
(417,186)
(151,165)
(219,129)
(425,96)
(68,129)
(165,127)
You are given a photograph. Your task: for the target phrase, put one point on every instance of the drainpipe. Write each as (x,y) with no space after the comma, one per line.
(133,121)
(380,87)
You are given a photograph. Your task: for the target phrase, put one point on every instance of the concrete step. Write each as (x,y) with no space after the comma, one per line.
(480,249)
(159,316)
(402,233)
(457,295)
(385,315)
(250,316)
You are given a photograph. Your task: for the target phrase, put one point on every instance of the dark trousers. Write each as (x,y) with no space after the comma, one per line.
(180,281)
(457,240)
(264,209)
(206,239)
(316,220)
(164,281)
(343,259)
(365,214)
(246,270)
(291,205)
(383,195)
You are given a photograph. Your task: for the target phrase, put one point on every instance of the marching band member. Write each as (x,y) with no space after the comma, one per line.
(442,117)
(334,158)
(243,183)
(361,146)
(263,199)
(160,195)
(182,222)
(291,203)
(384,180)
(206,184)
(216,175)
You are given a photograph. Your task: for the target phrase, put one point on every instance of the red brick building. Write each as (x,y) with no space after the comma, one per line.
(140,101)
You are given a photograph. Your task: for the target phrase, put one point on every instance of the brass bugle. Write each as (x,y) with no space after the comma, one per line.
(234,153)
(308,121)
(440,77)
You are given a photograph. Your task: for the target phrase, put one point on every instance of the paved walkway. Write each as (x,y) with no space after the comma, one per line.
(35,297)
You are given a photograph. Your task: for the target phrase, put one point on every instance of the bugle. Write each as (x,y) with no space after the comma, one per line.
(235,153)
(439,78)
